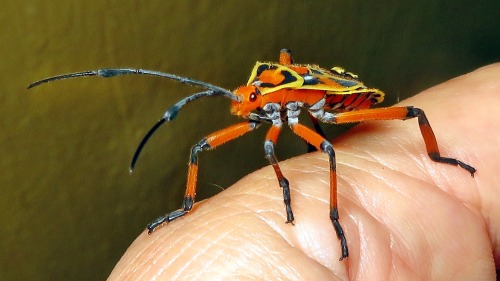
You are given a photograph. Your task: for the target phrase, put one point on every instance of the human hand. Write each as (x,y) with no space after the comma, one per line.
(405,216)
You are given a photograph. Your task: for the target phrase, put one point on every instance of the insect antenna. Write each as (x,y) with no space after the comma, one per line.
(170,114)
(112,72)
(143,142)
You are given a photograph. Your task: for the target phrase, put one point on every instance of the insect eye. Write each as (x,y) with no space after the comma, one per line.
(253,97)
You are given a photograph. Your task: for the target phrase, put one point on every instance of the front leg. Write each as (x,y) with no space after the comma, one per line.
(211,141)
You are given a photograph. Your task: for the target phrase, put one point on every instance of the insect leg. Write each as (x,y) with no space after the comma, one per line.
(211,141)
(403,113)
(270,142)
(317,128)
(286,57)
(322,144)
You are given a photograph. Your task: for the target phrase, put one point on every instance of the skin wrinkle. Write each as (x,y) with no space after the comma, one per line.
(232,230)
(361,156)
(245,208)
(398,259)
(285,271)
(150,261)
(273,225)
(356,186)
(484,212)
(384,178)
(309,259)
(157,253)
(377,176)
(407,266)
(361,202)
(255,209)
(367,216)
(435,235)
(383,161)
(415,151)
(133,259)
(264,260)
(211,259)
(211,263)
(473,204)
(310,197)
(372,159)
(369,257)
(173,260)
(315,240)
(253,250)
(208,245)
(194,239)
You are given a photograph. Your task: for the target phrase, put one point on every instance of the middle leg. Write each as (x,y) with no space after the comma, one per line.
(322,144)
(269,144)
(317,128)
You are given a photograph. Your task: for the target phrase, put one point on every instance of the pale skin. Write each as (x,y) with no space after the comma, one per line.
(405,216)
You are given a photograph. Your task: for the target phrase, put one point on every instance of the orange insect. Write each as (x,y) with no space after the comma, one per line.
(275,94)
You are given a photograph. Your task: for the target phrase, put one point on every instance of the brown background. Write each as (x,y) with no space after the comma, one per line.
(68,206)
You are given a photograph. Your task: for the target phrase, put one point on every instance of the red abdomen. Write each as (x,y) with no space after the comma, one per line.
(352,101)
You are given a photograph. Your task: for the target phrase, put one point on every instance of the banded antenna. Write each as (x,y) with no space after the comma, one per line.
(170,114)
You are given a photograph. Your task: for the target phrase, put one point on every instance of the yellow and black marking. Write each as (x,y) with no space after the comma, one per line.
(271,77)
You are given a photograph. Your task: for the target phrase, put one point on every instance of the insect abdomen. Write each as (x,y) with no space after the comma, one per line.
(353,101)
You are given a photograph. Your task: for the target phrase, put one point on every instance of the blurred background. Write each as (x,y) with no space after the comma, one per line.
(69,207)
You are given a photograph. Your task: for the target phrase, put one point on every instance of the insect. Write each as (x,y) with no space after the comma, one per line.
(275,94)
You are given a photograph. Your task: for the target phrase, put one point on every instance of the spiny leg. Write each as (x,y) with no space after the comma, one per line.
(403,113)
(322,144)
(211,141)
(269,143)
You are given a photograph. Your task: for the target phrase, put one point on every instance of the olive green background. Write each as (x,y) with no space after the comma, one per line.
(69,207)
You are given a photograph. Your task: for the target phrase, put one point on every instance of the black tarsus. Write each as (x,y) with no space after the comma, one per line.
(334,217)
